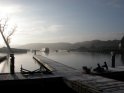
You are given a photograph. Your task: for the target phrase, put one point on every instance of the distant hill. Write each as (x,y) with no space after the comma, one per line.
(98,43)
(53,46)
(79,46)
(98,46)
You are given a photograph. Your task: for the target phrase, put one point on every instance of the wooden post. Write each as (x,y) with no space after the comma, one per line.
(113,60)
(12,64)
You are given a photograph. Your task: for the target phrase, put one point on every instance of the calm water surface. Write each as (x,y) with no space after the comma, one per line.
(26,60)
(79,59)
(73,59)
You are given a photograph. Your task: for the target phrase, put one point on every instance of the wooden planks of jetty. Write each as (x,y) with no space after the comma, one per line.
(80,82)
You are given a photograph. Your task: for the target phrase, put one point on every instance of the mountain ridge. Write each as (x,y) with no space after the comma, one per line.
(66,46)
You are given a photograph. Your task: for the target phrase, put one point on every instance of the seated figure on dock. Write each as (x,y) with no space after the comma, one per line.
(99,69)
(105,65)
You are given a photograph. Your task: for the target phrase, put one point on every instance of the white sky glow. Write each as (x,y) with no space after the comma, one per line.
(46,21)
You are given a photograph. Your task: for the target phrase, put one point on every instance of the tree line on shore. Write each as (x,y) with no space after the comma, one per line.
(102,46)
(14,50)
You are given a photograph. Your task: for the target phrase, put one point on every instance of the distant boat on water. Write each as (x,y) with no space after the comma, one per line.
(46,50)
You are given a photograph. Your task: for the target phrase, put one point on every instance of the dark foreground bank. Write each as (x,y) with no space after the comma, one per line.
(46,85)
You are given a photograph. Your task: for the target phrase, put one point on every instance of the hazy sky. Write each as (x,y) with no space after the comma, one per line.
(48,21)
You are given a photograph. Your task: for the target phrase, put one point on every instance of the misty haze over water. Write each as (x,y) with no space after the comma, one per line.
(72,59)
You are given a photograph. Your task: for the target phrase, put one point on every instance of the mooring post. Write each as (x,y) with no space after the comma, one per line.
(12,64)
(113,59)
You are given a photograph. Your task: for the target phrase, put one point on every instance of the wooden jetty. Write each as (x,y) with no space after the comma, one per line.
(2,58)
(80,82)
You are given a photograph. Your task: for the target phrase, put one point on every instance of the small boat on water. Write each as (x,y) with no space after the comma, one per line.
(45,49)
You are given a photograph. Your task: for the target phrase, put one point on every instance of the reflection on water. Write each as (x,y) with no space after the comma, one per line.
(4,66)
(73,59)
(26,60)
(46,53)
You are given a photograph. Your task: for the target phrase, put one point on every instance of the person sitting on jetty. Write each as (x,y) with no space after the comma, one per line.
(99,69)
(105,65)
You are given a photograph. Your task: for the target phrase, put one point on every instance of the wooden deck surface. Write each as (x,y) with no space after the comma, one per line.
(82,83)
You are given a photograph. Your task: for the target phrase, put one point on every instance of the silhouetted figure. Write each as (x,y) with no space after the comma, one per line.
(113,59)
(99,69)
(12,64)
(105,65)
